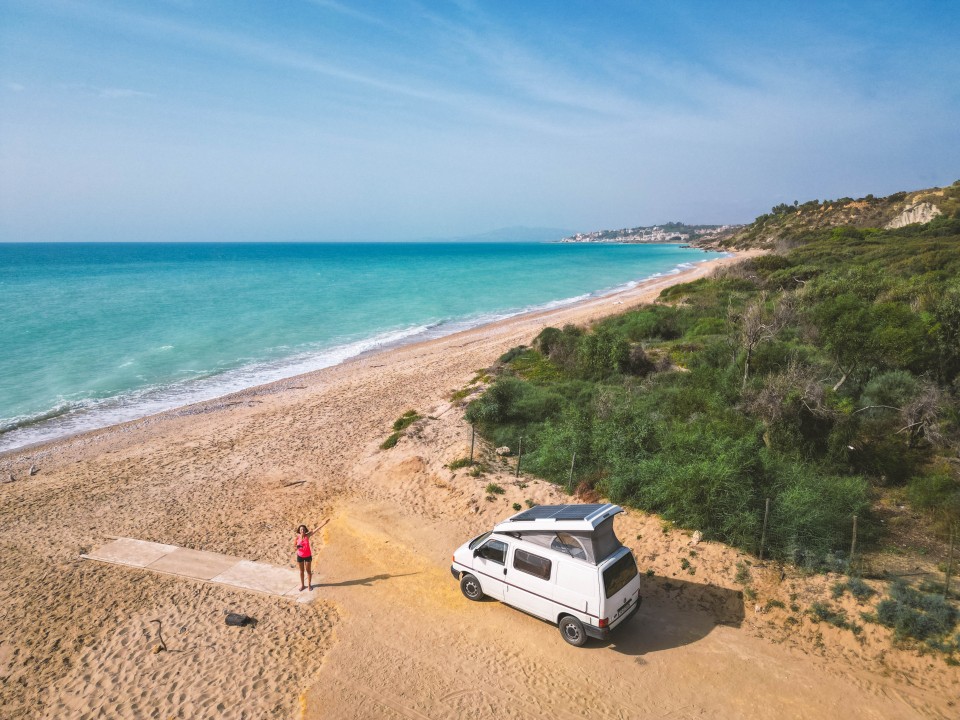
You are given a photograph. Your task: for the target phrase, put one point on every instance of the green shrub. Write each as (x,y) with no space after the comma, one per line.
(937,494)
(405,420)
(531,365)
(494,489)
(460,463)
(708,326)
(917,615)
(513,353)
(390,441)
(860,590)
(811,513)
(559,346)
(461,394)
(511,400)
(822,612)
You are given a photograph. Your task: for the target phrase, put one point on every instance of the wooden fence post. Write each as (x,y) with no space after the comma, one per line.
(853,545)
(763,535)
(949,572)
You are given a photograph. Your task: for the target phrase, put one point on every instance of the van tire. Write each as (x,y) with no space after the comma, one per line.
(572,630)
(470,587)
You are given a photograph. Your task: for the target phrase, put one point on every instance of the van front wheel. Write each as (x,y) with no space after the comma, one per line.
(572,630)
(470,587)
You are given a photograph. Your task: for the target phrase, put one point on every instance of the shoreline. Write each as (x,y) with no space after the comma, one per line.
(617,295)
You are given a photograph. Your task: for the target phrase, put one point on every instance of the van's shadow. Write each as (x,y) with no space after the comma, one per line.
(367,581)
(675,613)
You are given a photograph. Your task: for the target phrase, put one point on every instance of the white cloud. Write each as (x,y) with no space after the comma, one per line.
(109,93)
(121,93)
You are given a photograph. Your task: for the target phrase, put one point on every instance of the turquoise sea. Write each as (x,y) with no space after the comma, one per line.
(95,334)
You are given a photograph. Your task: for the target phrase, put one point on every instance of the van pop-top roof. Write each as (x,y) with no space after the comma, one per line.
(584,532)
(584,518)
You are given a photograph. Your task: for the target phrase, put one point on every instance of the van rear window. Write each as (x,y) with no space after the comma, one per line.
(616,577)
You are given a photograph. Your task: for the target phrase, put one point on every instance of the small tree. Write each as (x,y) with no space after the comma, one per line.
(759,324)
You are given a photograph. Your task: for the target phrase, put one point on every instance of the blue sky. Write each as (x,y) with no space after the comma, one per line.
(338,120)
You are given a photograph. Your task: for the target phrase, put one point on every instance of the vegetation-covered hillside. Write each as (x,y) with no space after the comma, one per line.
(824,376)
(788,225)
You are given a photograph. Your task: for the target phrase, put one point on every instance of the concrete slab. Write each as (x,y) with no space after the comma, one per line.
(261,577)
(193,563)
(199,565)
(127,551)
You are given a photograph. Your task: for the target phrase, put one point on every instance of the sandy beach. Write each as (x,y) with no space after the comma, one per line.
(386,632)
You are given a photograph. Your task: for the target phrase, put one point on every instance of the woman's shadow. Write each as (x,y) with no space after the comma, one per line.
(367,581)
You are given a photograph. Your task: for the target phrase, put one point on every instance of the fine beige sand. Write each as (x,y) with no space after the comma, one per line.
(386,633)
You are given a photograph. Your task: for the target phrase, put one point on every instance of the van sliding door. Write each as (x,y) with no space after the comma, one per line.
(530,584)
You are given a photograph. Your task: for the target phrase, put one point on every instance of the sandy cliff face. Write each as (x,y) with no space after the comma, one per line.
(919,213)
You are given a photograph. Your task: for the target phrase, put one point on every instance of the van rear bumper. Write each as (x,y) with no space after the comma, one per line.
(603,633)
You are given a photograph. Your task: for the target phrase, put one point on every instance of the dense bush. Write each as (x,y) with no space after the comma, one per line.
(852,382)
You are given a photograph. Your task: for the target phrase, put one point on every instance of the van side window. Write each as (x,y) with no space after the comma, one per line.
(533,564)
(495,551)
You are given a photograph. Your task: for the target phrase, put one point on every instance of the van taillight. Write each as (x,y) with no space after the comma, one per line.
(604,622)
(453,558)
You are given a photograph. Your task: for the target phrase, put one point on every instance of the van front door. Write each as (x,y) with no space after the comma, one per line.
(490,566)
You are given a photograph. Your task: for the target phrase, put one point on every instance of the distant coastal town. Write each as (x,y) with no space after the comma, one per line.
(672,232)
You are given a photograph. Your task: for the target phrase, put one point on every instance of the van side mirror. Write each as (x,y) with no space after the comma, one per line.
(476,552)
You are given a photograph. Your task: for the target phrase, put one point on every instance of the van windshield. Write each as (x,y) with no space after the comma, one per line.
(616,577)
(478,539)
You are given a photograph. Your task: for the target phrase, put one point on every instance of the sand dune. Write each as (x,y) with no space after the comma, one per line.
(389,634)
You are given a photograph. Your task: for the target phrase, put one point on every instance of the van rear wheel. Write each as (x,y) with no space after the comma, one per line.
(572,630)
(470,587)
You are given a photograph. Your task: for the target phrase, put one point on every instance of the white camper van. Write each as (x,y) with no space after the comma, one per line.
(561,563)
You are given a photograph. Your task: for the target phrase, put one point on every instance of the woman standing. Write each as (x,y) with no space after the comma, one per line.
(304,554)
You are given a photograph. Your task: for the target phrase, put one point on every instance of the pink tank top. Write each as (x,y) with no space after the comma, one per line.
(303,547)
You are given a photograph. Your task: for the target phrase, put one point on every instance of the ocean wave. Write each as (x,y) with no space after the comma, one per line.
(69,418)
(76,416)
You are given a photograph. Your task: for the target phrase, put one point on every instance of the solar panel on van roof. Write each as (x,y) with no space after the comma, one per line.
(557,512)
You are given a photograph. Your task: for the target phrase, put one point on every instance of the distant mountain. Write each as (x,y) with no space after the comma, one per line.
(787,225)
(671,232)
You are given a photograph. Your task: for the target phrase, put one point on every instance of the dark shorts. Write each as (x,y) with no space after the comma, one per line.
(301,560)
